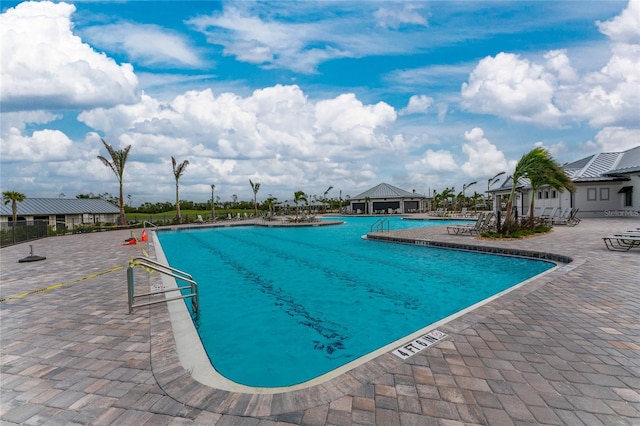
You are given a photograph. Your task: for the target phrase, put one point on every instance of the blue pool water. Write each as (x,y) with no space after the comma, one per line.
(281,306)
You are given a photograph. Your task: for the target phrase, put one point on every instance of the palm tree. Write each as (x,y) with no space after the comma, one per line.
(14,198)
(475,199)
(324,197)
(270,202)
(255,187)
(539,167)
(118,160)
(550,173)
(299,196)
(367,200)
(447,193)
(178,170)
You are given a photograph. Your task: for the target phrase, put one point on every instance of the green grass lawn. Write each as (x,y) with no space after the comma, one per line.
(168,216)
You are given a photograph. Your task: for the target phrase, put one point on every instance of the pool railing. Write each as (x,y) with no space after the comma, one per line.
(152,265)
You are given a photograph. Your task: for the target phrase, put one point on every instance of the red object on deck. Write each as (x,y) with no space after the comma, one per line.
(129,242)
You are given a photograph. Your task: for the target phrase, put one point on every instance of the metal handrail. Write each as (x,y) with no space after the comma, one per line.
(163,269)
(379,225)
(144,224)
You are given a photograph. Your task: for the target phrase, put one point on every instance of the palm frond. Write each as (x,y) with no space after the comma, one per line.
(178,169)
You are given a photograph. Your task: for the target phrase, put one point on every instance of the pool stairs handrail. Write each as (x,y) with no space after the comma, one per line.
(379,225)
(149,264)
(144,224)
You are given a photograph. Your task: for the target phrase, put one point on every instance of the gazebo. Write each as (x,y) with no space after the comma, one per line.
(387,199)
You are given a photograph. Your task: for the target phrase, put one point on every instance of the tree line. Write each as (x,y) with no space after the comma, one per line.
(537,166)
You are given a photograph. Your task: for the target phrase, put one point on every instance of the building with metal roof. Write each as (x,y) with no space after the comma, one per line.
(386,199)
(69,212)
(605,184)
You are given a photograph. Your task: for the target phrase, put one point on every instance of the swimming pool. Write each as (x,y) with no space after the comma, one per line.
(282,306)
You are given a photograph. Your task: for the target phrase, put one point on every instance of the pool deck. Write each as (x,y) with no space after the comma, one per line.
(564,348)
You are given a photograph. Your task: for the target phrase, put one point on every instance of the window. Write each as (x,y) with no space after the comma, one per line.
(591,194)
(539,195)
(604,193)
(554,194)
(546,194)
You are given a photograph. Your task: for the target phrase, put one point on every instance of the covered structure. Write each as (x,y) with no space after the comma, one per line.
(604,186)
(387,199)
(62,212)
(606,182)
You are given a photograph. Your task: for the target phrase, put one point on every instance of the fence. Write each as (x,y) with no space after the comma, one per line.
(21,231)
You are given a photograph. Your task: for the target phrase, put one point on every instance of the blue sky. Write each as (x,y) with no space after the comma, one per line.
(308,95)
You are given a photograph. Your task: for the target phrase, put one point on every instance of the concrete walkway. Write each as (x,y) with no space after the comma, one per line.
(562,349)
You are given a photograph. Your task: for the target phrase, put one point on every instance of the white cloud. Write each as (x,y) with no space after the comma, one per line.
(484,158)
(559,64)
(553,93)
(145,44)
(401,14)
(418,104)
(42,145)
(615,139)
(624,28)
(20,119)
(276,133)
(44,65)
(265,42)
(610,96)
(509,86)
(435,161)
(555,149)
(258,36)
(345,120)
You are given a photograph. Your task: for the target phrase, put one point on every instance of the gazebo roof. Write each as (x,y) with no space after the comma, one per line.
(384,190)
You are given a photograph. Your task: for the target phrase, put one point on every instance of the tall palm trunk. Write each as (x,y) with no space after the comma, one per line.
(178,170)
(178,214)
(117,163)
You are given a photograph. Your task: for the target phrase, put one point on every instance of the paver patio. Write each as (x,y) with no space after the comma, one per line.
(562,349)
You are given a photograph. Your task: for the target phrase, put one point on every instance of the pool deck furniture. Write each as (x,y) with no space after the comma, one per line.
(623,241)
(476,228)
(563,348)
(567,217)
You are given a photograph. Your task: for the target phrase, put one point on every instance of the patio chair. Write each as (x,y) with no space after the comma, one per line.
(548,218)
(562,218)
(463,213)
(622,241)
(573,218)
(477,227)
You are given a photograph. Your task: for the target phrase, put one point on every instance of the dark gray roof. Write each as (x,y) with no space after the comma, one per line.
(47,206)
(507,184)
(604,166)
(629,162)
(576,165)
(384,190)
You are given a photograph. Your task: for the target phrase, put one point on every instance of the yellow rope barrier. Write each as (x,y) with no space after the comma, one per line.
(53,287)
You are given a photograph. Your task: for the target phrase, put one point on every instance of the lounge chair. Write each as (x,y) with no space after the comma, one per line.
(622,242)
(567,217)
(199,219)
(562,218)
(548,218)
(481,225)
(463,213)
